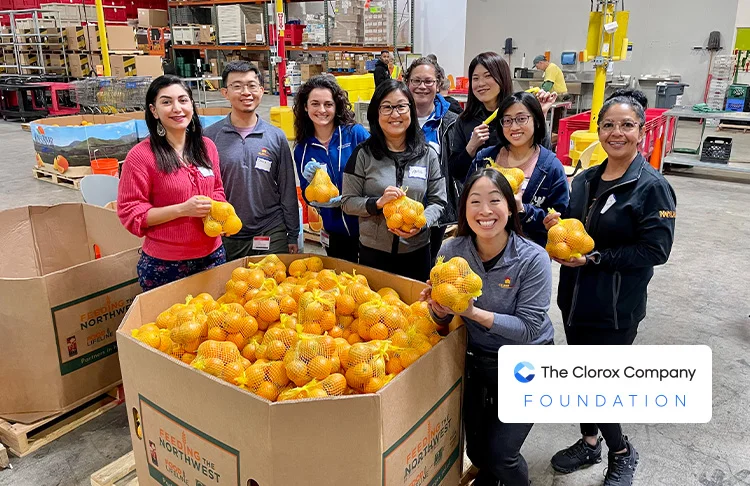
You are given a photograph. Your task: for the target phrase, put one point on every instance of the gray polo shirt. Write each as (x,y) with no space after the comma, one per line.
(258,177)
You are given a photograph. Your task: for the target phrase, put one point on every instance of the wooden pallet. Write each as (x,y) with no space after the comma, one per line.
(119,473)
(71,178)
(4,462)
(23,439)
(729,126)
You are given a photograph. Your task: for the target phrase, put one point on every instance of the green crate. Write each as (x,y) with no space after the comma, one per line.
(738,91)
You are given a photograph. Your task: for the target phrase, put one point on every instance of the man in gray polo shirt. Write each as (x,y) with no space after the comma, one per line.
(256,168)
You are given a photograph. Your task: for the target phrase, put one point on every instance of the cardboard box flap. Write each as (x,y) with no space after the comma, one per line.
(60,235)
(107,232)
(18,255)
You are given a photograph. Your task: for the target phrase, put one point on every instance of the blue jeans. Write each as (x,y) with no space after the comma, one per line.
(155,272)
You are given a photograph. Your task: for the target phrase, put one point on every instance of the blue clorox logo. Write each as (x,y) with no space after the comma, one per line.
(524,372)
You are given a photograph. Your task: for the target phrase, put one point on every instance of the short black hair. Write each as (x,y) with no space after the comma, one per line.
(502,184)
(239,67)
(537,115)
(624,100)
(385,51)
(415,143)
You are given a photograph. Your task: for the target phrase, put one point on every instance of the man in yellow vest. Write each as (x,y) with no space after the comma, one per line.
(553,77)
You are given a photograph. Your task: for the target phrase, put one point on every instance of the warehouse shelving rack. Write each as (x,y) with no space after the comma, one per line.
(20,41)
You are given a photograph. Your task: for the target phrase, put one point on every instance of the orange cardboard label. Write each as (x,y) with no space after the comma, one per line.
(425,454)
(181,455)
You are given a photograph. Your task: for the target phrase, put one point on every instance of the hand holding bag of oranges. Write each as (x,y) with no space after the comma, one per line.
(568,239)
(404,214)
(222,220)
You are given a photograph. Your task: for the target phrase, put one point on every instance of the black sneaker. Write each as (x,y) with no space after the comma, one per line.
(577,456)
(621,467)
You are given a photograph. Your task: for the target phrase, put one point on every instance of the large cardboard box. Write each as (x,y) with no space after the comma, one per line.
(148,17)
(79,65)
(61,306)
(254,34)
(121,38)
(207,34)
(188,427)
(310,70)
(136,66)
(75,38)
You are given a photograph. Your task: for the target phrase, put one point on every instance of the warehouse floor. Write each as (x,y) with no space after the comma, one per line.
(699,297)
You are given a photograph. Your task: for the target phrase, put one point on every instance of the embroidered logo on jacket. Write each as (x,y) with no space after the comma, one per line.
(506,283)
(668,214)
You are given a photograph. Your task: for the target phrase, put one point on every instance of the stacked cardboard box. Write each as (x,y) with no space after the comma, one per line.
(206,34)
(75,38)
(348,24)
(123,66)
(310,70)
(148,17)
(254,34)
(79,65)
(232,19)
(378,26)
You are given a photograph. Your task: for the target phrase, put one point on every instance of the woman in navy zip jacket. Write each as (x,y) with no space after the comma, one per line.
(326,136)
(628,208)
(521,128)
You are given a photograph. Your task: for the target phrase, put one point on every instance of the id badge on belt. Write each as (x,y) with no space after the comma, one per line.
(261,243)
(325,239)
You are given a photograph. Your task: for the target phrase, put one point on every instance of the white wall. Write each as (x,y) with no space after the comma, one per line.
(663,33)
(743,13)
(440,29)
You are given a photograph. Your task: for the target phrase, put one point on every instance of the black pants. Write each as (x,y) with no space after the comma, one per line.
(612,433)
(415,264)
(493,446)
(437,233)
(343,246)
(240,248)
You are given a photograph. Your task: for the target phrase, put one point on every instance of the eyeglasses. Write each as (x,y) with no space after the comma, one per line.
(520,120)
(625,127)
(387,110)
(428,83)
(240,87)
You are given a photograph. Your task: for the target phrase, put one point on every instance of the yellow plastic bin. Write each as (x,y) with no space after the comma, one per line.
(283,117)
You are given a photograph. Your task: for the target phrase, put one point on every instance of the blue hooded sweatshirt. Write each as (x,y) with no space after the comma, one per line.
(546,188)
(431,128)
(344,141)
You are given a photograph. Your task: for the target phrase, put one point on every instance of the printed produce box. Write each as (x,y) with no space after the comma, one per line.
(203,427)
(67,278)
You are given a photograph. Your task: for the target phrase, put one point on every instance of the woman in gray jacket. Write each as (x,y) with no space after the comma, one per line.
(394,157)
(516,292)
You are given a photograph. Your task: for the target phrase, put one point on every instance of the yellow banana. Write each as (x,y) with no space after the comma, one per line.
(490,118)
(533,90)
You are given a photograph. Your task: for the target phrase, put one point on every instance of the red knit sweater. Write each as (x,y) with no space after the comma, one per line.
(143,186)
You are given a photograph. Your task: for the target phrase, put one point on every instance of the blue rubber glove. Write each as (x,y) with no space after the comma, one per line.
(310,169)
(333,203)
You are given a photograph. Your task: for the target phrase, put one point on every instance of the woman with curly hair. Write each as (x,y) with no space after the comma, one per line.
(326,135)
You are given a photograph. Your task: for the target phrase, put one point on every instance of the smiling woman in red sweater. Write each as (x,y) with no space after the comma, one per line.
(164,188)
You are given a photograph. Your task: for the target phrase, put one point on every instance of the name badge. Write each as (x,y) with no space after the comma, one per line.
(264,164)
(610,202)
(418,172)
(325,240)
(261,243)
(206,172)
(525,184)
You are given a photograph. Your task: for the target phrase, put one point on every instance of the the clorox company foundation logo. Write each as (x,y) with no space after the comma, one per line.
(524,372)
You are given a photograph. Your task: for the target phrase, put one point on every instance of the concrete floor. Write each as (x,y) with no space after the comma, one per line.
(699,297)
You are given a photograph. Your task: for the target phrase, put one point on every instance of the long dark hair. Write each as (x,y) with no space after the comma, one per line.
(303,125)
(499,180)
(415,144)
(532,104)
(195,150)
(500,72)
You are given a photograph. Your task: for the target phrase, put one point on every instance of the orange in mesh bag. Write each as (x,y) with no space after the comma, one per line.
(303,265)
(231,322)
(332,386)
(272,267)
(317,312)
(454,284)
(311,357)
(568,239)
(243,286)
(321,189)
(275,344)
(266,306)
(153,336)
(264,379)
(221,359)
(378,320)
(404,213)
(514,175)
(222,220)
(366,366)
(407,347)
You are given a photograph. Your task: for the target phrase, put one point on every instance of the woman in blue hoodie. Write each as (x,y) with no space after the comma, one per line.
(326,136)
(521,128)
(516,294)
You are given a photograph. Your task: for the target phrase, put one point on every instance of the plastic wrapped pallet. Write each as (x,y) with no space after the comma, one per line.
(347,22)
(231,20)
(378,24)
(315,29)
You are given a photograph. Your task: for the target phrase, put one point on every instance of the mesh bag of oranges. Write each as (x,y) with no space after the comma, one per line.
(154,337)
(275,344)
(311,357)
(271,266)
(266,306)
(568,239)
(407,347)
(514,175)
(265,379)
(243,285)
(301,266)
(404,213)
(317,312)
(378,320)
(231,322)
(222,220)
(332,386)
(221,359)
(250,350)
(366,366)
(321,189)
(454,283)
